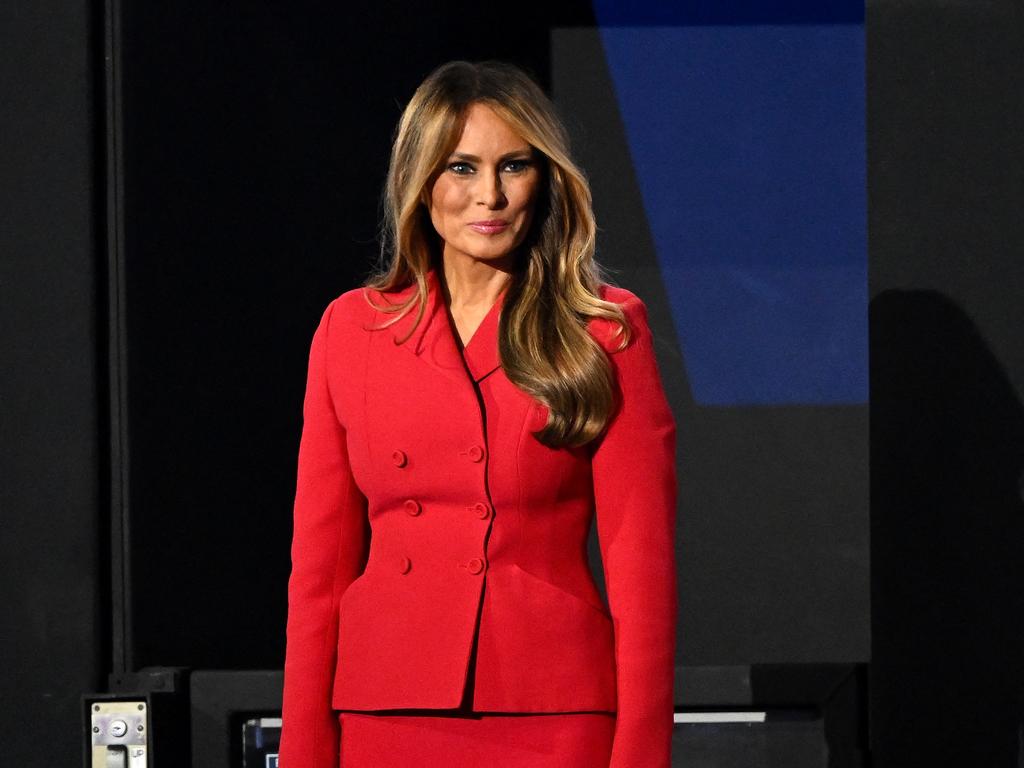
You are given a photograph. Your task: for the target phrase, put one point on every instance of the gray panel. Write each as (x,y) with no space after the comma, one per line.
(51,464)
(773,551)
(946,183)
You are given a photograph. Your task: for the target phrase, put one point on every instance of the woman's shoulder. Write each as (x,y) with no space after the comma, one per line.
(343,319)
(345,309)
(359,306)
(604,329)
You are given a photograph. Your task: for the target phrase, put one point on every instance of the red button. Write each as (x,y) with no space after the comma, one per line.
(482,510)
(412,507)
(405,565)
(475,565)
(399,458)
(476,453)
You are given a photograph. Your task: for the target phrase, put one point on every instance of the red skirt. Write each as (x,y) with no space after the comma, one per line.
(473,740)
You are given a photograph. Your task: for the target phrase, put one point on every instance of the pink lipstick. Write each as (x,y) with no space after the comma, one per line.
(490,227)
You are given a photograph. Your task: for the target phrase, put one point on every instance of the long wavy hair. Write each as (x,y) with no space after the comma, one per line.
(544,345)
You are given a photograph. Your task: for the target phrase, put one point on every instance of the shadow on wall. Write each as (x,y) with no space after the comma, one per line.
(947,454)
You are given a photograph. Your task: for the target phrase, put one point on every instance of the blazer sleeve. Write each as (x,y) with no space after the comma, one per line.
(328,545)
(635,495)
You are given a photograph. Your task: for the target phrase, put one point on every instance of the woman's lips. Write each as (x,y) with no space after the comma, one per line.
(489,227)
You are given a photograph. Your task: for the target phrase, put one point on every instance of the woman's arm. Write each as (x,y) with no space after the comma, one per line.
(635,496)
(328,546)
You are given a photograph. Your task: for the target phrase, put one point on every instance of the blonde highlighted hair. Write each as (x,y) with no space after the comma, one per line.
(545,347)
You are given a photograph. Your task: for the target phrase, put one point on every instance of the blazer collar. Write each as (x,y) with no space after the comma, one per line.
(434,339)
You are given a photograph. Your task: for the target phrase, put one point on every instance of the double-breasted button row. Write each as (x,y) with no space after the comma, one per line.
(474,453)
(481,510)
(474,566)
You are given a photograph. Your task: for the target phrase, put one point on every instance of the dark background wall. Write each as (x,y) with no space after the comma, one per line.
(252,165)
(53,528)
(257,259)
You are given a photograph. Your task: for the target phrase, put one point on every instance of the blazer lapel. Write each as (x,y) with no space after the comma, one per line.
(482,357)
(434,341)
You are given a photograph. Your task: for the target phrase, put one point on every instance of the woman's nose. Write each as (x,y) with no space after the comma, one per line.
(489,190)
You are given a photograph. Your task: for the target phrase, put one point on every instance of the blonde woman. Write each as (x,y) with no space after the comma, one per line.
(469,411)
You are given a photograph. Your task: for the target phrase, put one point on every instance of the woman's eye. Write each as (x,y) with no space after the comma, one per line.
(517,166)
(460,168)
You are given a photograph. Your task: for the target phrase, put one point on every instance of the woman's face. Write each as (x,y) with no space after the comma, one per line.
(483,201)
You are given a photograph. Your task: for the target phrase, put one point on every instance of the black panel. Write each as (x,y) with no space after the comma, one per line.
(256,143)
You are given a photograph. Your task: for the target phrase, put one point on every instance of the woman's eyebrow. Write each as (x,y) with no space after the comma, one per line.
(506,156)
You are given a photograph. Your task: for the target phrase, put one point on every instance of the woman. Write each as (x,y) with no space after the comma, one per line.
(467,413)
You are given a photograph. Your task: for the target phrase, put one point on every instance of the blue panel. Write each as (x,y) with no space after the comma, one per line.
(749,149)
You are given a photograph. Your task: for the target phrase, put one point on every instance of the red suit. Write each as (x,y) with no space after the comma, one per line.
(478,532)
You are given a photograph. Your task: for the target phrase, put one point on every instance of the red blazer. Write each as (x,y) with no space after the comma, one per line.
(478,531)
